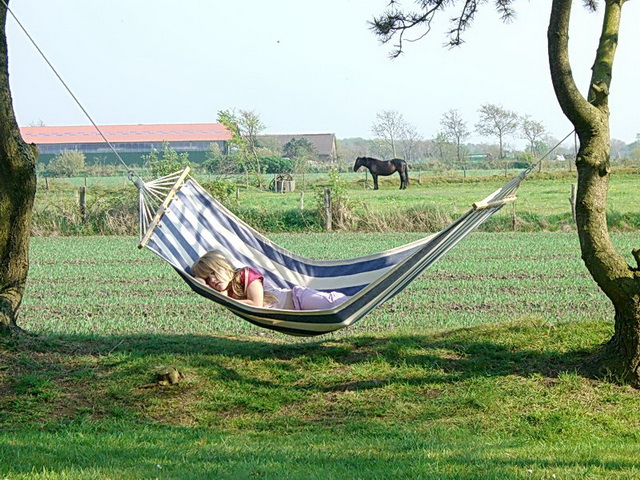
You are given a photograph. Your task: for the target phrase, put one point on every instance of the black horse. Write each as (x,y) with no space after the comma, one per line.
(382,167)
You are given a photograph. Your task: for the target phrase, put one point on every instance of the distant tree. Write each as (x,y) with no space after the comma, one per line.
(275,165)
(245,128)
(301,151)
(409,140)
(167,161)
(67,163)
(617,147)
(456,131)
(388,127)
(497,122)
(532,131)
(217,163)
(441,144)
(298,148)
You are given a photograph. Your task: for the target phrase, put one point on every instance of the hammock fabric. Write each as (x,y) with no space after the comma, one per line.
(180,221)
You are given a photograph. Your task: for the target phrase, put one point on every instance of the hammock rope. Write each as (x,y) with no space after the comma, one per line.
(131,173)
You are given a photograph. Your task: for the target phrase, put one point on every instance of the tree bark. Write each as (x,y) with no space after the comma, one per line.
(17,193)
(620,356)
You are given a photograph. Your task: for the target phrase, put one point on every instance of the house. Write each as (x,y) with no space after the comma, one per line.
(324,143)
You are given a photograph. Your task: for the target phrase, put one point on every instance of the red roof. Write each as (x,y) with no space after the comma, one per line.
(197,132)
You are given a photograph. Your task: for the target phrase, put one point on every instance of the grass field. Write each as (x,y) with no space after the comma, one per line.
(473,372)
(488,278)
(542,205)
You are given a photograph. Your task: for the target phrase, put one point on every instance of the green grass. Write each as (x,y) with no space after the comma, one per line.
(542,205)
(487,278)
(472,372)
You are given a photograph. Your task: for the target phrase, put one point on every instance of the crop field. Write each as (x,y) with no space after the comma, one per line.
(472,372)
(105,285)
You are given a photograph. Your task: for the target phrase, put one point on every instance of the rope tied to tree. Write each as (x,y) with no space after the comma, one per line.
(132,175)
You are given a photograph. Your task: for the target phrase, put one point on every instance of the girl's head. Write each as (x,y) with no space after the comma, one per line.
(215,270)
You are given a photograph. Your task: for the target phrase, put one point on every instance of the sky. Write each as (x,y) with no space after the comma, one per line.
(303,67)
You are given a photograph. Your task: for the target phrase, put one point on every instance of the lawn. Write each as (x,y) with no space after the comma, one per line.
(472,372)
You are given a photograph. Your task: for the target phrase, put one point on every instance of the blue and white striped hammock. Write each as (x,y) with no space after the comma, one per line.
(180,221)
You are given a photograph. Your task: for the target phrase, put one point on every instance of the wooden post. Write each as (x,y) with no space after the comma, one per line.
(83,204)
(327,209)
(301,205)
(513,217)
(572,200)
(237,193)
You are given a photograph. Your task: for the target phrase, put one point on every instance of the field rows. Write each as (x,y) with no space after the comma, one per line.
(105,285)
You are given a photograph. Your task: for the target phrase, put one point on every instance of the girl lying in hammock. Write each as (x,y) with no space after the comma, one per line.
(247,285)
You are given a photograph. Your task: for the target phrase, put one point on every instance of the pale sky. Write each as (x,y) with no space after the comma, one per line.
(304,67)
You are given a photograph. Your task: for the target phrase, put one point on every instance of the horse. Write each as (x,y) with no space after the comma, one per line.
(382,167)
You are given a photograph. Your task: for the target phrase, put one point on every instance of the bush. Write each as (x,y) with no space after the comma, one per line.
(275,165)
(221,190)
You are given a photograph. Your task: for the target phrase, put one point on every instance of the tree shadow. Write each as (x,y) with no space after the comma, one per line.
(450,355)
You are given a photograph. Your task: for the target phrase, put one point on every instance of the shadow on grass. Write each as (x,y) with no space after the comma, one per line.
(257,400)
(452,355)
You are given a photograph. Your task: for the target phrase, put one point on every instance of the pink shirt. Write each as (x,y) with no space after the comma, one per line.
(247,276)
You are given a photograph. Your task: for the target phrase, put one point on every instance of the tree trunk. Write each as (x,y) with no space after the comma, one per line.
(620,356)
(17,192)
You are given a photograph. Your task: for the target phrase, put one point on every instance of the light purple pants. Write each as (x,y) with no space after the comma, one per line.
(308,299)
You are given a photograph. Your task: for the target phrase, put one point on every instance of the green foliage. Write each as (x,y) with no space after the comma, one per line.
(166,162)
(67,163)
(275,165)
(222,190)
(342,217)
(299,148)
(108,212)
(217,163)
(431,201)
(244,128)
(279,221)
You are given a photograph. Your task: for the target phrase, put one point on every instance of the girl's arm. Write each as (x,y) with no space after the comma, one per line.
(255,294)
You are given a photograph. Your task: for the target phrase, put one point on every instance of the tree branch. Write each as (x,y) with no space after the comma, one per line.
(573,104)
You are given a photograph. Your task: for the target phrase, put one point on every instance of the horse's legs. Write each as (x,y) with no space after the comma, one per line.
(405,178)
(375,181)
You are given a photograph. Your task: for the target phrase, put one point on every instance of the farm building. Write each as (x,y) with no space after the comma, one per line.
(133,141)
(130,141)
(324,143)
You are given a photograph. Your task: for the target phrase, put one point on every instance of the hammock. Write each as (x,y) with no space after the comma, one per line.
(180,221)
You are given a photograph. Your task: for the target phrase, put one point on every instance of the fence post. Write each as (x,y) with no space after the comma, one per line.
(83,204)
(327,209)
(301,205)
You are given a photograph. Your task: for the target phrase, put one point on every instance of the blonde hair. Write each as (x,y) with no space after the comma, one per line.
(215,263)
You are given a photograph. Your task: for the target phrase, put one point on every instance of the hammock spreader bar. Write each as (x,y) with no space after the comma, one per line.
(189,221)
